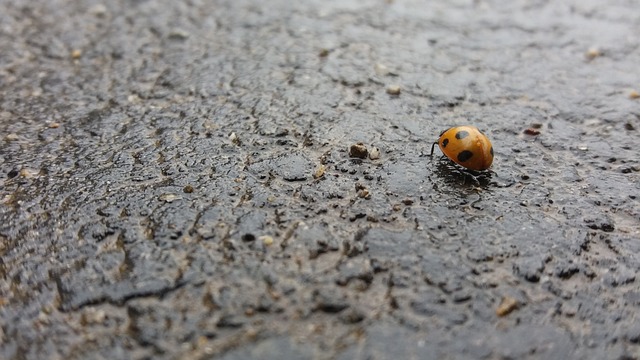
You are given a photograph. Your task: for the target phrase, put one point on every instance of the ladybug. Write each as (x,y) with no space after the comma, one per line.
(466,146)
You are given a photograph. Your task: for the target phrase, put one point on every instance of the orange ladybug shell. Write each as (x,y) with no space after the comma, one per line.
(467,146)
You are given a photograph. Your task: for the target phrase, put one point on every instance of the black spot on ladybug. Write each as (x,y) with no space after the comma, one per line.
(491,151)
(445,142)
(465,155)
(462,134)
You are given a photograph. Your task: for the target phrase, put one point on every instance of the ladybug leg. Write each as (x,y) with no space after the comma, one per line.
(473,180)
(476,181)
(432,148)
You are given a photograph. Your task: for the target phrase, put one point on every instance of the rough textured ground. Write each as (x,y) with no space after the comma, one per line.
(152,150)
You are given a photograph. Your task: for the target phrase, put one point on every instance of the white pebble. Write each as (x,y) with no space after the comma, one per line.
(234,138)
(393,90)
(381,69)
(374,154)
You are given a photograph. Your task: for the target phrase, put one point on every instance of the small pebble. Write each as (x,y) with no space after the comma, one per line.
(364,193)
(374,154)
(54,125)
(393,90)
(266,240)
(133,98)
(358,150)
(93,316)
(27,173)
(381,69)
(188,189)
(362,190)
(319,172)
(178,34)
(507,305)
(98,10)
(531,131)
(323,53)
(11,137)
(634,95)
(234,138)
(76,54)
(593,53)
(168,197)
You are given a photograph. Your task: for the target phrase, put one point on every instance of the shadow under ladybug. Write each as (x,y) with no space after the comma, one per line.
(454,174)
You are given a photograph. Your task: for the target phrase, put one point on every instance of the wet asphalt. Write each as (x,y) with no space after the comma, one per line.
(243,179)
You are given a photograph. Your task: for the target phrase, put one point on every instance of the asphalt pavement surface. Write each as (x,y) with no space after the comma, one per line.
(239,179)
